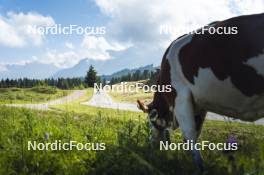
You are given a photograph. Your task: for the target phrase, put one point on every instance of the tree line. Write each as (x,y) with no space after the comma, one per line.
(61,83)
(91,77)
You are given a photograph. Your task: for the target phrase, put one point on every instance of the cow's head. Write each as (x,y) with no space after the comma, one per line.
(160,117)
(160,111)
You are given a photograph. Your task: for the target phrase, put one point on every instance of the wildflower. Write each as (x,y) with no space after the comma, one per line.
(47,135)
(231,139)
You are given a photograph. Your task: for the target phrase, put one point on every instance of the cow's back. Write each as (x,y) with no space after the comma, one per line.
(226,72)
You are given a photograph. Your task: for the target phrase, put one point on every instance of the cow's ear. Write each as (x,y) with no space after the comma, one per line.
(142,106)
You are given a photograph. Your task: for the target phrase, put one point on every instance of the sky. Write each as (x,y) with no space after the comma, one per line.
(130,29)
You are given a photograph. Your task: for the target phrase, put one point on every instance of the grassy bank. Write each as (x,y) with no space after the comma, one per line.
(30,95)
(127,147)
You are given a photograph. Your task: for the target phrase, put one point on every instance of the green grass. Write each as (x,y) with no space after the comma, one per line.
(131,97)
(76,107)
(127,147)
(30,95)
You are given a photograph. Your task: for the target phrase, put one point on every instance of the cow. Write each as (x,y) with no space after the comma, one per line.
(219,73)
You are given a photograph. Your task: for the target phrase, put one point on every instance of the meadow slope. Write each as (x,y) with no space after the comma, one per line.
(126,135)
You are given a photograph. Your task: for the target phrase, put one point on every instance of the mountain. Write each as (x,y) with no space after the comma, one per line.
(106,68)
(103,67)
(80,69)
(33,70)
(131,58)
(127,71)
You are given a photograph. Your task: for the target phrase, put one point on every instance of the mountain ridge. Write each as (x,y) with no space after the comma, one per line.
(37,70)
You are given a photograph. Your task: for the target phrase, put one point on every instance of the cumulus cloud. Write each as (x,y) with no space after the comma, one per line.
(248,6)
(98,47)
(8,35)
(140,22)
(59,59)
(132,24)
(14,29)
(69,45)
(92,47)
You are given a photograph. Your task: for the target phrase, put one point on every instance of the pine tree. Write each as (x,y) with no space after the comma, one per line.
(91,77)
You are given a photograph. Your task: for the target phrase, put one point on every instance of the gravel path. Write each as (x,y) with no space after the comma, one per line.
(45,106)
(103,100)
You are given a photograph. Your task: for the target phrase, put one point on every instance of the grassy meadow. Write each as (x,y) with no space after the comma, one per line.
(131,97)
(127,147)
(37,94)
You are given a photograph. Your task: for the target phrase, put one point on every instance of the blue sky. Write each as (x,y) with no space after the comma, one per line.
(66,12)
(132,28)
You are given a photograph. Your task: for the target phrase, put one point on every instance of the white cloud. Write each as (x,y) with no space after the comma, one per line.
(59,59)
(132,22)
(98,47)
(4,65)
(14,29)
(3,68)
(8,35)
(249,6)
(139,22)
(69,45)
(91,47)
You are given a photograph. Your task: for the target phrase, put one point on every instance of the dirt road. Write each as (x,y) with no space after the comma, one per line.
(103,100)
(45,106)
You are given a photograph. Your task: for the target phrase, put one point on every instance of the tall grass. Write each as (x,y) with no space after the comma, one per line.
(127,147)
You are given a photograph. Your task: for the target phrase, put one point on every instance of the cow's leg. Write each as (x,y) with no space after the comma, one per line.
(184,111)
(199,120)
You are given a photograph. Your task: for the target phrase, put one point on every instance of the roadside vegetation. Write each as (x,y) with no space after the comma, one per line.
(37,94)
(127,147)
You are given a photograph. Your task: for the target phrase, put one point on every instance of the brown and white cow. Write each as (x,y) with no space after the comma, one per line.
(210,72)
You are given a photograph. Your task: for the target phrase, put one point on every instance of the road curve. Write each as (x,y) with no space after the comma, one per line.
(103,100)
(76,94)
